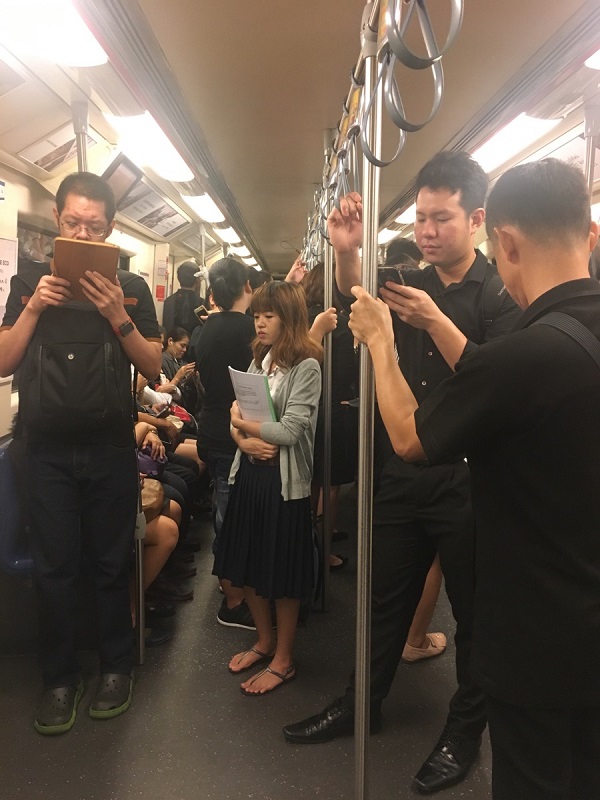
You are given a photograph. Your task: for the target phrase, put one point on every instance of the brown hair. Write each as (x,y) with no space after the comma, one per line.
(313,284)
(294,343)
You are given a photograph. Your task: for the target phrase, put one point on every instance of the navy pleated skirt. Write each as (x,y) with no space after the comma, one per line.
(266,543)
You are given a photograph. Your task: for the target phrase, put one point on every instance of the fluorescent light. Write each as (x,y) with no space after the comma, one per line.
(227,235)
(593,62)
(512,139)
(386,235)
(250,262)
(146,144)
(407,217)
(257,267)
(205,207)
(50,30)
(241,251)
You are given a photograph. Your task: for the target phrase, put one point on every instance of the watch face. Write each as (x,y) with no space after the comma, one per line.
(126,328)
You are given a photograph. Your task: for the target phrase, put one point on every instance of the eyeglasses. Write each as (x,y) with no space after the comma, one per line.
(75,228)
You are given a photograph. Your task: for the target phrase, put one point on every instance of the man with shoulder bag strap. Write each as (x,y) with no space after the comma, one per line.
(74,360)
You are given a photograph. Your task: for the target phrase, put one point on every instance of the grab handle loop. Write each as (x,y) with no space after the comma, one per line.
(393,100)
(396,32)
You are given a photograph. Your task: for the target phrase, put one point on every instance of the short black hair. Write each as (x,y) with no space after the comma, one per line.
(545,199)
(186,274)
(403,251)
(457,172)
(257,277)
(227,278)
(86,184)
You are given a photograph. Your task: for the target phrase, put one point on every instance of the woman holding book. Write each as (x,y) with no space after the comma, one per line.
(266,541)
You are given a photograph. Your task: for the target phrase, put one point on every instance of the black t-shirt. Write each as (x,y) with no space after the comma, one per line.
(224,341)
(344,362)
(138,304)
(525,409)
(178,310)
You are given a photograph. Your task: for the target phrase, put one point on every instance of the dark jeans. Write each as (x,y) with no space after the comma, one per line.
(420,510)
(83,501)
(544,753)
(219,467)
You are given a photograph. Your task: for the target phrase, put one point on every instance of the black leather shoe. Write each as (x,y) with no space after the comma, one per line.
(448,762)
(335,720)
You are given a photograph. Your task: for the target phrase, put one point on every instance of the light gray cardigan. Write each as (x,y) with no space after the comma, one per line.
(296,401)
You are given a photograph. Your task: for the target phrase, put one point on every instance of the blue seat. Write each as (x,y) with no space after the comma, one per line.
(14,555)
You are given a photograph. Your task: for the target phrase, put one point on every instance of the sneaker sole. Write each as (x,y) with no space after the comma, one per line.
(235,624)
(113,712)
(53,730)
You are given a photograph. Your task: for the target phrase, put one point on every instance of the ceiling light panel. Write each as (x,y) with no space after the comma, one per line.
(228,235)
(205,207)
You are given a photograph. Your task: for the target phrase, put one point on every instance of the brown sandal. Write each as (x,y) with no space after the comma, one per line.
(261,657)
(284,677)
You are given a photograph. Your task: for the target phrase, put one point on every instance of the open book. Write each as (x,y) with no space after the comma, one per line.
(253,396)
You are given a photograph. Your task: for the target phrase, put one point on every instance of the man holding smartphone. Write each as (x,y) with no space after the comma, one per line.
(80,451)
(443,313)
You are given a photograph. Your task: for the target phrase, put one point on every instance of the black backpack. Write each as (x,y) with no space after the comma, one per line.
(75,377)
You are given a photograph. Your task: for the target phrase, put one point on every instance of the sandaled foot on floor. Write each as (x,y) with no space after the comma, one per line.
(57,709)
(248,659)
(267,680)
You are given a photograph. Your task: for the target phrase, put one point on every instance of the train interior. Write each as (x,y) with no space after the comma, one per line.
(220,127)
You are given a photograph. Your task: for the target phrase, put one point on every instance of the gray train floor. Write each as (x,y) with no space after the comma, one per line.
(190,733)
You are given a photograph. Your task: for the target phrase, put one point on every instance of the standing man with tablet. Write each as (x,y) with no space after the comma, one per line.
(75,417)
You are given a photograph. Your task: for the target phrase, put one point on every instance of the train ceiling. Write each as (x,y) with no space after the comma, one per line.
(246,92)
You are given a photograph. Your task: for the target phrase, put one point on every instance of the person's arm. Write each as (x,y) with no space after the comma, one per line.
(371,323)
(345,234)
(50,291)
(417,308)
(297,271)
(325,322)
(162,425)
(253,445)
(109,300)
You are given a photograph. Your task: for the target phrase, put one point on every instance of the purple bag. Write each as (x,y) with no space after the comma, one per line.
(147,465)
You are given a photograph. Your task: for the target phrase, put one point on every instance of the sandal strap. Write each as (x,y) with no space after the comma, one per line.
(281,675)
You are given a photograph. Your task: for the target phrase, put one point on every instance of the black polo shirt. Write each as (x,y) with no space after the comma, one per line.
(477,310)
(526,409)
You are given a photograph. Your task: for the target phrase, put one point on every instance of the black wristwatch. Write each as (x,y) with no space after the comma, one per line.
(125,329)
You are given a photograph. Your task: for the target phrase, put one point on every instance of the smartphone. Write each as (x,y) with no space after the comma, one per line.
(389,274)
(200,312)
(72,257)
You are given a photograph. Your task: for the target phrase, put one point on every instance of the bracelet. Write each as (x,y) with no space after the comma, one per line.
(153,430)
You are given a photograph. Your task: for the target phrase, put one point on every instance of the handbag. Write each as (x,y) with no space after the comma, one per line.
(153,497)
(148,465)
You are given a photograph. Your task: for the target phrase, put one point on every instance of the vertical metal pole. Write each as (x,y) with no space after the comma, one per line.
(365,460)
(592,140)
(327,393)
(79,110)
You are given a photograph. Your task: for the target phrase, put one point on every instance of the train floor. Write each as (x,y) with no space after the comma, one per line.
(191,735)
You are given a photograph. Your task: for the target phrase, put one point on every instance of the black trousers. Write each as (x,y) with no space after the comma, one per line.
(420,510)
(83,500)
(544,753)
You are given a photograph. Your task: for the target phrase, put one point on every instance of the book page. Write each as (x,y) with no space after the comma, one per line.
(253,396)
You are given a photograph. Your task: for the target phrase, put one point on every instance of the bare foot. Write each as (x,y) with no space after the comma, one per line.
(267,680)
(248,658)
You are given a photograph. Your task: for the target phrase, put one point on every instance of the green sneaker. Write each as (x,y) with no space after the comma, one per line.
(57,709)
(113,696)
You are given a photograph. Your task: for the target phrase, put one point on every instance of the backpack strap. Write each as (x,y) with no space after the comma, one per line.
(575,329)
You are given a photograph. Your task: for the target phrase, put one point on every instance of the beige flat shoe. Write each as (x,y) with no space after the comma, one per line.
(436,644)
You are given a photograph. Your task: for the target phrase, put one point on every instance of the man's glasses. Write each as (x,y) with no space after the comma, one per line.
(75,228)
